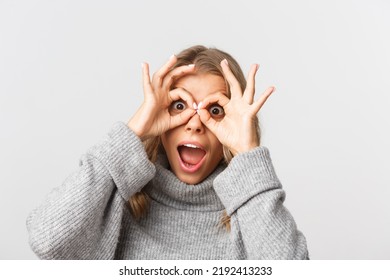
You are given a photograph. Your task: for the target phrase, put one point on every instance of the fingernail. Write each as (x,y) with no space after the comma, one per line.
(191,65)
(195,107)
(199,105)
(172,56)
(225,61)
(197,111)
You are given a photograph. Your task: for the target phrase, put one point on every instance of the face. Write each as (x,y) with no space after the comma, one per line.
(194,151)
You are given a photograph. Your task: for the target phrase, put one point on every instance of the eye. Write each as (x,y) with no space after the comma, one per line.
(216,110)
(178,105)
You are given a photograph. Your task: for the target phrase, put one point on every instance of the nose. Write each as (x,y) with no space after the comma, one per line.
(195,125)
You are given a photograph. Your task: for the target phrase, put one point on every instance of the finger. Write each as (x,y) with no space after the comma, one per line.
(175,74)
(207,120)
(249,92)
(259,103)
(147,86)
(235,88)
(179,93)
(181,118)
(217,97)
(160,74)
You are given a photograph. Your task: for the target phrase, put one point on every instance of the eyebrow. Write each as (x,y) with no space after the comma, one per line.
(222,91)
(184,89)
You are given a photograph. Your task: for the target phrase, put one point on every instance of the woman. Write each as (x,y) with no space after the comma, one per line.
(185,178)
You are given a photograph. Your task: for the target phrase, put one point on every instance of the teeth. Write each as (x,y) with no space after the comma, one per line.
(191,146)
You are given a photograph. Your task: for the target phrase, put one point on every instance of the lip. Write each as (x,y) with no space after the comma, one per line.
(195,167)
(192,143)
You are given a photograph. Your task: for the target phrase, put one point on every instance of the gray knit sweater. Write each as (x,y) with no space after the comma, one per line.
(87,217)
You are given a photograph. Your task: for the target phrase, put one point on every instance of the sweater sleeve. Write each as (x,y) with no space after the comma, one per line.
(81,219)
(253,197)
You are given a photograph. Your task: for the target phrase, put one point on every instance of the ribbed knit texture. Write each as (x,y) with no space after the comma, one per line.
(87,217)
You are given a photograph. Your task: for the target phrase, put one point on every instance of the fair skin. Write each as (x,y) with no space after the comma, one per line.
(194,132)
(170,113)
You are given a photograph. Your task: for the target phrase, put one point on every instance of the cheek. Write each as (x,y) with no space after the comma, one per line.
(217,147)
(165,141)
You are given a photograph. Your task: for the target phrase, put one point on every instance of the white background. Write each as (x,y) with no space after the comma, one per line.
(70,69)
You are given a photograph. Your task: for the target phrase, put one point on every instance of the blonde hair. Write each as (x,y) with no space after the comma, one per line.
(206,60)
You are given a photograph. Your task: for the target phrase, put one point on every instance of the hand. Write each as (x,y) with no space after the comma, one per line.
(153,117)
(237,129)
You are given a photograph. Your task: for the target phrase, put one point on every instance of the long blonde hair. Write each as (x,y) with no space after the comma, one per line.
(206,60)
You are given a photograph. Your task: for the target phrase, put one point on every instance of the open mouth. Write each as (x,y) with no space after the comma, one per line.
(191,157)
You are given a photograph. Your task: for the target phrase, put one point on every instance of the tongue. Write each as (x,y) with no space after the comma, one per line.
(191,155)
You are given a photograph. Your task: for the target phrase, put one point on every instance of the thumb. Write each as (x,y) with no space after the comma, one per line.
(181,118)
(207,120)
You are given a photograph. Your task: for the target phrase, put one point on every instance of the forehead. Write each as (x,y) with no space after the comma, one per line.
(201,85)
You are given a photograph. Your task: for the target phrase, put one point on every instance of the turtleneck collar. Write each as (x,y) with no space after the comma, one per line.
(167,189)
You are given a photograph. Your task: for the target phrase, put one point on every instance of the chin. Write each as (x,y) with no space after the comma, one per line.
(190,180)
